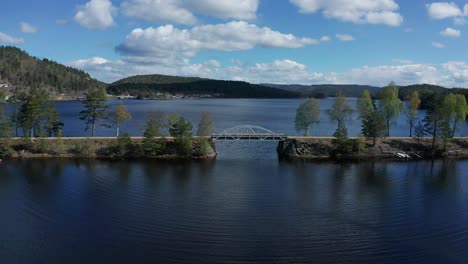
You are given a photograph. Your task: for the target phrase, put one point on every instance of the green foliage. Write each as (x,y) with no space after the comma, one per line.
(121,115)
(155,123)
(123,147)
(5,125)
(307,114)
(181,130)
(455,108)
(42,144)
(5,149)
(390,105)
(147,86)
(178,127)
(414,102)
(340,112)
(373,125)
(85,148)
(205,147)
(205,126)
(365,105)
(95,109)
(184,146)
(341,131)
(153,147)
(37,112)
(59,144)
(23,71)
(345,146)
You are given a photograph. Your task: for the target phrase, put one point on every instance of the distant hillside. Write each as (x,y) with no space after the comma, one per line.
(326,90)
(151,86)
(157,79)
(427,91)
(20,72)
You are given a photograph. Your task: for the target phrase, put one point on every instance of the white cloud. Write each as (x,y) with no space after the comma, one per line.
(4,38)
(183,11)
(240,9)
(178,45)
(344,37)
(96,14)
(438,45)
(450,32)
(466,10)
(450,74)
(158,10)
(355,11)
(27,28)
(443,10)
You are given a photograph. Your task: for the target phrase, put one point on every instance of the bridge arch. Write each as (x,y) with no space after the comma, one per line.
(248,132)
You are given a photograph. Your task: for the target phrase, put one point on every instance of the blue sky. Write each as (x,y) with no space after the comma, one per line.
(281,41)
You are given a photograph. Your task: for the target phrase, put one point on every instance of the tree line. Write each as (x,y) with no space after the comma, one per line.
(443,117)
(38,117)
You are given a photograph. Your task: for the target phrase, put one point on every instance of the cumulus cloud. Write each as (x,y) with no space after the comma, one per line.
(344,37)
(450,74)
(443,10)
(183,11)
(4,38)
(241,9)
(177,45)
(355,11)
(96,14)
(27,28)
(450,32)
(158,10)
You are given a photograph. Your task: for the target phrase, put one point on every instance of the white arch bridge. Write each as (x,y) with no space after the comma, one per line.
(247,132)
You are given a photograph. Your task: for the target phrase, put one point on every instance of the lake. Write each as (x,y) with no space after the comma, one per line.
(274,114)
(244,207)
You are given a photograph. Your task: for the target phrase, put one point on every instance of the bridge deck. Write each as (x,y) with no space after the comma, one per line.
(249,137)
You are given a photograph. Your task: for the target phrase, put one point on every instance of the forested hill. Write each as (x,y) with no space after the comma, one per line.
(428,91)
(20,71)
(326,90)
(153,86)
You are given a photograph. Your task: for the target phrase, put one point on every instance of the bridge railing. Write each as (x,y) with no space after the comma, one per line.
(248,132)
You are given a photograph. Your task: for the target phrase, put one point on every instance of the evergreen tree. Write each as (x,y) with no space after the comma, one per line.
(95,109)
(373,125)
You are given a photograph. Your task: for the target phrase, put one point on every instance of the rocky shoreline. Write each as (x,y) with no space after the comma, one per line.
(357,149)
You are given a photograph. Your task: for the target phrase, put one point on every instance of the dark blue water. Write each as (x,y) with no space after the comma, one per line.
(274,114)
(233,211)
(245,207)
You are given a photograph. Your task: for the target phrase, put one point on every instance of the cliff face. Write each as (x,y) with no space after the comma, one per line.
(361,149)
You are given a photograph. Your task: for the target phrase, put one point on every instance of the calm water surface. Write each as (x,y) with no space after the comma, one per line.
(274,114)
(245,207)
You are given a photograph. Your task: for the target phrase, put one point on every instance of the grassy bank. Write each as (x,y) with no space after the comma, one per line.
(109,148)
(313,148)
